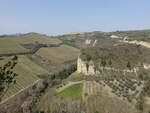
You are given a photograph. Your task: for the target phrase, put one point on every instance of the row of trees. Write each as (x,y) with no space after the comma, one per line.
(104,62)
(64,73)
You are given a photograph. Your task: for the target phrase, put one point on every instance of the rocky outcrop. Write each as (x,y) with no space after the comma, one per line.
(95,42)
(142,43)
(87,68)
(146,66)
(81,66)
(91,42)
(87,42)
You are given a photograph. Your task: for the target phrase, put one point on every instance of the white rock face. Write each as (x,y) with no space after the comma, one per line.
(146,44)
(114,36)
(146,66)
(94,43)
(86,68)
(81,66)
(87,42)
(125,38)
(91,69)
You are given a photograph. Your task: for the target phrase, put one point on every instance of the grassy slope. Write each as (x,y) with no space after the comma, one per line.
(9,45)
(58,54)
(28,72)
(69,48)
(58,58)
(75,75)
(12,44)
(74,91)
(70,36)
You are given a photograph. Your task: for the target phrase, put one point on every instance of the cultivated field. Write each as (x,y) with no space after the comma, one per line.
(27,72)
(58,54)
(107,104)
(99,98)
(31,68)
(55,59)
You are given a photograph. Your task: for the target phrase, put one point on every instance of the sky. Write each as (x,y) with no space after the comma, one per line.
(55,17)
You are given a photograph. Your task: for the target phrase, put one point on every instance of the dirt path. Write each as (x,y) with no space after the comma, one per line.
(67,85)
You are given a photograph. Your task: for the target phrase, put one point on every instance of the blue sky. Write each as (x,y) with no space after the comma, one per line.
(55,17)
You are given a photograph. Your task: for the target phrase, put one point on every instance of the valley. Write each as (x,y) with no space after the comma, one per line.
(90,72)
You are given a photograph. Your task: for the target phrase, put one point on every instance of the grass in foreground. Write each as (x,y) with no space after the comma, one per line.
(74,92)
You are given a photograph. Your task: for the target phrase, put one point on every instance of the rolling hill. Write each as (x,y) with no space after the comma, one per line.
(32,67)
(113,88)
(17,44)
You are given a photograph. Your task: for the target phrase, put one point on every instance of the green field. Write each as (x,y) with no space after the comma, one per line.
(75,75)
(27,74)
(74,92)
(13,44)
(52,99)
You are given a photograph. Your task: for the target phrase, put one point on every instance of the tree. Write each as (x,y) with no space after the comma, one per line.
(140,103)
(141,77)
(7,76)
(110,62)
(128,65)
(64,73)
(96,112)
(103,62)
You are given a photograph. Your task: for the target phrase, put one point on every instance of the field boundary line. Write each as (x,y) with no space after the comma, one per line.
(19,91)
